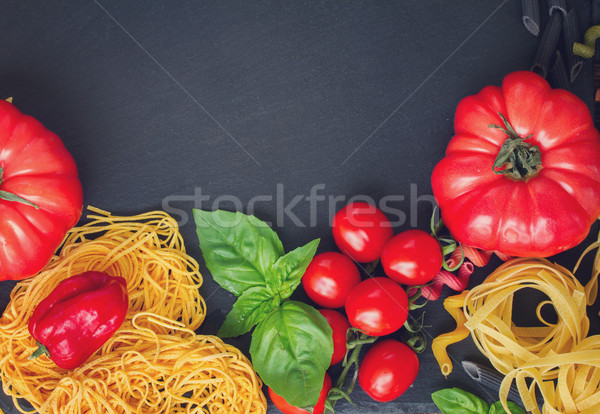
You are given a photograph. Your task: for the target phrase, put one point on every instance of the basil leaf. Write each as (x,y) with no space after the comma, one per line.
(496,408)
(250,308)
(457,401)
(291,350)
(238,249)
(289,269)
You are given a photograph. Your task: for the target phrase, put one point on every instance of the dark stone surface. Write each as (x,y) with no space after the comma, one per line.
(162,102)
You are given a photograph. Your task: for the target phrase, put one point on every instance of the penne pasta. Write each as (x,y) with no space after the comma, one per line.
(531,16)
(570,34)
(547,45)
(489,378)
(557,76)
(557,5)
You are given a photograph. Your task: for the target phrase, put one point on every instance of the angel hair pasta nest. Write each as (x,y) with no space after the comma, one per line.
(155,363)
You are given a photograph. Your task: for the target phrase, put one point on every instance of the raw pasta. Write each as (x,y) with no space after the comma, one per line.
(155,363)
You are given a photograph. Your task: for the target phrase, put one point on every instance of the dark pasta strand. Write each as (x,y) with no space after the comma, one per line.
(570,34)
(548,44)
(557,5)
(489,378)
(531,16)
(557,76)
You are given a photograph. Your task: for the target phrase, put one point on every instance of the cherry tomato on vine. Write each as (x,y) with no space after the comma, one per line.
(413,257)
(286,408)
(339,325)
(387,370)
(361,230)
(378,306)
(329,278)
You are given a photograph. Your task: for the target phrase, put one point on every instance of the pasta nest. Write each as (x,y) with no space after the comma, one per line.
(557,359)
(155,362)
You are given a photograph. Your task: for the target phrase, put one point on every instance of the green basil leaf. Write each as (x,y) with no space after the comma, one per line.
(238,249)
(457,401)
(289,269)
(250,308)
(291,350)
(496,408)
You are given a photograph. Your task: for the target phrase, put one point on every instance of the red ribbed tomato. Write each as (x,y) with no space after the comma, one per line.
(522,174)
(40,194)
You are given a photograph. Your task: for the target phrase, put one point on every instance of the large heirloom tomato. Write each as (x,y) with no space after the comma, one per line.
(522,174)
(40,194)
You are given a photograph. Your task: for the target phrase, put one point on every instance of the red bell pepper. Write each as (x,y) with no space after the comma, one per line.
(78,317)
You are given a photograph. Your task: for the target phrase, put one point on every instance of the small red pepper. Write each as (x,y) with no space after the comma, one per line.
(78,317)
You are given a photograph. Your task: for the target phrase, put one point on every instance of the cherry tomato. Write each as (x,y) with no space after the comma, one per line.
(329,278)
(412,257)
(361,230)
(286,408)
(387,370)
(339,325)
(378,306)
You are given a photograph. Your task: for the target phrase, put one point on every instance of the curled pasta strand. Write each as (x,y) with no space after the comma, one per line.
(458,283)
(453,305)
(587,49)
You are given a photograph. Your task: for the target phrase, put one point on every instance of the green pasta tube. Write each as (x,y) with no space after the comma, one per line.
(587,48)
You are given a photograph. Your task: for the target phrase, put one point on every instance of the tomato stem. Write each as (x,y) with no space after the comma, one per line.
(417,340)
(8,196)
(516,159)
(370,267)
(355,339)
(412,300)
(447,244)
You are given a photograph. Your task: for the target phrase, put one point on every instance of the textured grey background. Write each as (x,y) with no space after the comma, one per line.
(158,101)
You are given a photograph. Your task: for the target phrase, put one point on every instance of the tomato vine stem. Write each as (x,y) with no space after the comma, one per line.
(8,196)
(447,244)
(517,159)
(355,339)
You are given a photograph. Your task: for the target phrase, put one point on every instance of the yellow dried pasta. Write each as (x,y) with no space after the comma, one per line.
(558,360)
(155,362)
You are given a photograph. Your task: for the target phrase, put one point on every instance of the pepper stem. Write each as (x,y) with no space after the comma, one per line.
(8,196)
(41,350)
(516,159)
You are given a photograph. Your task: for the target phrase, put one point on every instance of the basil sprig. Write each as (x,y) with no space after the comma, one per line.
(458,401)
(291,346)
(286,351)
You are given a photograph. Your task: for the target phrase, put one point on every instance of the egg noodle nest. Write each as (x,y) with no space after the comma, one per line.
(155,362)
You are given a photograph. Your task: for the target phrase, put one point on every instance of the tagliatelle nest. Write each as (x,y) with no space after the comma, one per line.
(558,359)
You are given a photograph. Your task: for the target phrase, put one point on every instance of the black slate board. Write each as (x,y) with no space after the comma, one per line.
(257,103)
